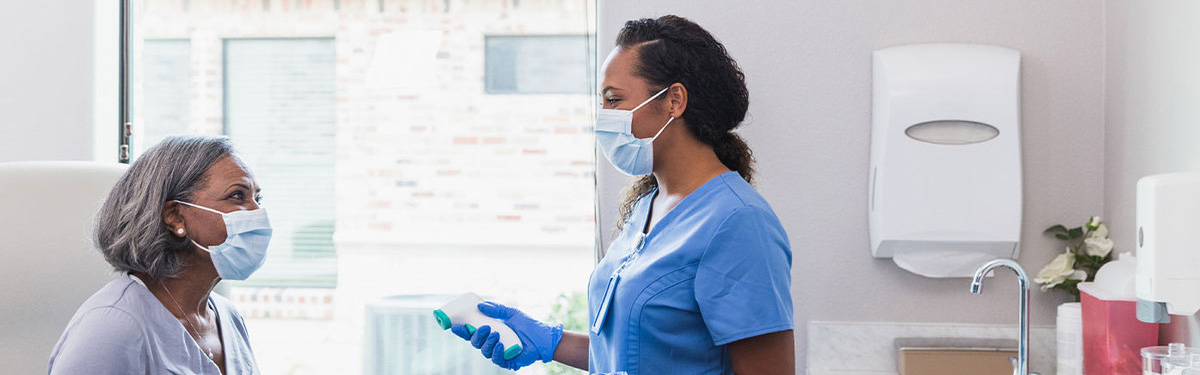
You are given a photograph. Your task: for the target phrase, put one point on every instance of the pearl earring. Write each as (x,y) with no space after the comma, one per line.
(180,231)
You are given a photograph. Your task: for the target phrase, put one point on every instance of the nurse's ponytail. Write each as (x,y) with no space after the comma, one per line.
(674,49)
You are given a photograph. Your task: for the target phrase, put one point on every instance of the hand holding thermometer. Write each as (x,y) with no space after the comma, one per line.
(465,310)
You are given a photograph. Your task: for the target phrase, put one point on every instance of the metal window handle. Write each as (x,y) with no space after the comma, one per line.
(126,141)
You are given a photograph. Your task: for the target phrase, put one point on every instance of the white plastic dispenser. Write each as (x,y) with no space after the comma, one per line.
(464,310)
(945,173)
(1168,246)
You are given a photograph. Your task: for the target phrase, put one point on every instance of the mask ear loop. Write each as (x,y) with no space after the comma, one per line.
(189,238)
(661,130)
(201,207)
(202,247)
(651,98)
(660,92)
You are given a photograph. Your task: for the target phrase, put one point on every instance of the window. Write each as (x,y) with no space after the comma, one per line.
(279,106)
(538,64)
(166,90)
(395,176)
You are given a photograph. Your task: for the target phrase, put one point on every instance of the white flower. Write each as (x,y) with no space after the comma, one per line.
(1080,275)
(1093,223)
(1101,231)
(1098,246)
(1060,269)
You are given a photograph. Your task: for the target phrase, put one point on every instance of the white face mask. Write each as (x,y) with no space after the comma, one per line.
(245,248)
(614,134)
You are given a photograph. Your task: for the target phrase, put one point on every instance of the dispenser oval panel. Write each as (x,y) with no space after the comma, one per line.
(952,132)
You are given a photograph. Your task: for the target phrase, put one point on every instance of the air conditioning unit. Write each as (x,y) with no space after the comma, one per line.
(402,338)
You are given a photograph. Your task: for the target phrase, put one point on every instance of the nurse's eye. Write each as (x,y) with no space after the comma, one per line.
(238,195)
(258,200)
(611,102)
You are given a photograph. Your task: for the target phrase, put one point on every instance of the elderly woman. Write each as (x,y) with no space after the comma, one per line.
(182,218)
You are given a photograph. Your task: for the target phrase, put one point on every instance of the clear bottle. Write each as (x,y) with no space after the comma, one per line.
(1181,361)
(1194,359)
(1152,360)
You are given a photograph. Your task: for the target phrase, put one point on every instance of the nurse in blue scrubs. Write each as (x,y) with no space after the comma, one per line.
(698,281)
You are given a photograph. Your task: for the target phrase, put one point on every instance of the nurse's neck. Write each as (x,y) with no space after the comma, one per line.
(682,164)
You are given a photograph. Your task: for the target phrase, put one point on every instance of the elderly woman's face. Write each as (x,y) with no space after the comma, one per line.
(228,187)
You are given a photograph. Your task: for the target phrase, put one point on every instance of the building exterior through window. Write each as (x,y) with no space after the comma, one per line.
(408,151)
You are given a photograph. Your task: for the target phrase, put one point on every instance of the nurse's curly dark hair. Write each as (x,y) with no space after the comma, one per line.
(674,49)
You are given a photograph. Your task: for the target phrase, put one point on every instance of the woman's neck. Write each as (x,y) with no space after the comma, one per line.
(690,165)
(188,291)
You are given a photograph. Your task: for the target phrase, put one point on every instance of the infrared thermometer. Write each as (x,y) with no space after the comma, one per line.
(464,310)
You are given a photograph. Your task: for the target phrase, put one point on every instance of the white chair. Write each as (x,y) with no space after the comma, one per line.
(48,263)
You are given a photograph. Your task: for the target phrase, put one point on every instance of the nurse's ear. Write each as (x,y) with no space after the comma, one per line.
(677,99)
(173,219)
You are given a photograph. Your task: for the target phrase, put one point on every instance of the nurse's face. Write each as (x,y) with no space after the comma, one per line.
(227,186)
(622,89)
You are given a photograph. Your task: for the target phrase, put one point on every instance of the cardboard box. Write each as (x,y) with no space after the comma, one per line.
(956,361)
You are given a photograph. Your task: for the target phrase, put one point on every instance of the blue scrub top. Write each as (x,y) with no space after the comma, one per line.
(716,269)
(123,329)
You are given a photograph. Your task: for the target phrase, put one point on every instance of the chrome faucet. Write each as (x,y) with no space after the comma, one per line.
(1021,365)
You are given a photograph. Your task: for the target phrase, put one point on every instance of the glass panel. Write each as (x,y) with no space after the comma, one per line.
(538,64)
(166,91)
(396,179)
(279,109)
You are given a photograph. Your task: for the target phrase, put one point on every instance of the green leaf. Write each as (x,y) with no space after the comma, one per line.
(1075,232)
(1056,229)
(1062,236)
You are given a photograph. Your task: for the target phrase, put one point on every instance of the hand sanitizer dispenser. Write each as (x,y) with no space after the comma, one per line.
(1168,246)
(945,173)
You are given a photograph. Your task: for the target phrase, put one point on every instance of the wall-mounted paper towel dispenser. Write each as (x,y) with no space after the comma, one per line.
(945,173)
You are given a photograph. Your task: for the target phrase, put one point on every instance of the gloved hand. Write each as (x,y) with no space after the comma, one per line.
(538,340)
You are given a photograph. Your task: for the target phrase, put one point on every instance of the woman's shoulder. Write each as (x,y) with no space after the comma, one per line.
(120,294)
(226,308)
(107,318)
(118,307)
(107,335)
(733,196)
(224,305)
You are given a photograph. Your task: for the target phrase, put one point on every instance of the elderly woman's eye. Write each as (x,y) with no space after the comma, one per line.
(258,199)
(237,195)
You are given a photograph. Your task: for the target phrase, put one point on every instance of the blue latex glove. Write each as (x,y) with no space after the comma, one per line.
(538,340)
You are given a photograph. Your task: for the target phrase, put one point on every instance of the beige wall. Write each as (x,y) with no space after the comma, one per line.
(1152,69)
(809,71)
(46,81)
(1153,100)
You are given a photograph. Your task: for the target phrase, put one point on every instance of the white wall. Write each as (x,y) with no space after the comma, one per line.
(1153,101)
(46,80)
(1153,111)
(808,68)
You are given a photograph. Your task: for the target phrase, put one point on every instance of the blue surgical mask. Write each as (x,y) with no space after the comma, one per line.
(614,134)
(245,248)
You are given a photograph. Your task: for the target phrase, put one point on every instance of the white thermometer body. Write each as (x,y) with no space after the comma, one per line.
(464,310)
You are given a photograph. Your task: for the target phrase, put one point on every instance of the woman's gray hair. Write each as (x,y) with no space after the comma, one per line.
(130,231)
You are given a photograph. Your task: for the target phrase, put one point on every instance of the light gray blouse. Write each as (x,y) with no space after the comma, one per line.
(123,329)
